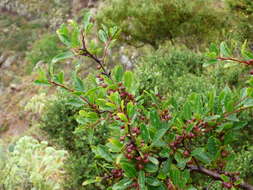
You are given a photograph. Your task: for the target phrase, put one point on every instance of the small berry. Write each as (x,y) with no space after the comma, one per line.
(122,138)
(186,153)
(104,85)
(224,153)
(140,166)
(227,185)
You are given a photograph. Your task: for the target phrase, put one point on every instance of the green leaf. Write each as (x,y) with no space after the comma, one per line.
(129,169)
(159,134)
(130,109)
(145,133)
(86,20)
(90,181)
(114,145)
(142,180)
(122,116)
(102,36)
(246,54)
(75,101)
(78,83)
(122,184)
(187,113)
(42,82)
(224,50)
(63,35)
(62,56)
(152,181)
(118,72)
(155,119)
(200,154)
(128,79)
(151,168)
(101,151)
(214,49)
(213,147)
(224,178)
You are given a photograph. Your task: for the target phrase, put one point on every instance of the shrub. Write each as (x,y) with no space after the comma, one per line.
(242,11)
(162,69)
(159,145)
(150,21)
(32,165)
(59,121)
(44,49)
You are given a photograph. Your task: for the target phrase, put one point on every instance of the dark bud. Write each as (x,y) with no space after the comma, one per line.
(186,153)
(122,138)
(224,153)
(104,85)
(140,166)
(227,185)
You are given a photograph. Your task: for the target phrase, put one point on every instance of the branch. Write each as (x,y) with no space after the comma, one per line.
(249,62)
(90,55)
(216,176)
(71,90)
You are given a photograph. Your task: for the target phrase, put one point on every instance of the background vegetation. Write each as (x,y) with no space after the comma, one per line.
(166,44)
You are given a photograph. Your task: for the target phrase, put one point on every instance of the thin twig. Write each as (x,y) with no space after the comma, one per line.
(249,62)
(216,175)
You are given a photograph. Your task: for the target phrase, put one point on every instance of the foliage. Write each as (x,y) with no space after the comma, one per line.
(242,12)
(168,68)
(30,164)
(158,145)
(150,21)
(44,49)
(16,33)
(58,120)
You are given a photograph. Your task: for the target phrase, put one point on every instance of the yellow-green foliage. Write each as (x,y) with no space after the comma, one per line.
(30,165)
(151,21)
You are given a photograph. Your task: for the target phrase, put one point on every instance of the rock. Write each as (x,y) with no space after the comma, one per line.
(3,57)
(9,61)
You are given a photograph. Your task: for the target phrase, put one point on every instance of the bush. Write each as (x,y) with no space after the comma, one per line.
(32,165)
(59,121)
(166,67)
(160,145)
(242,11)
(150,21)
(44,49)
